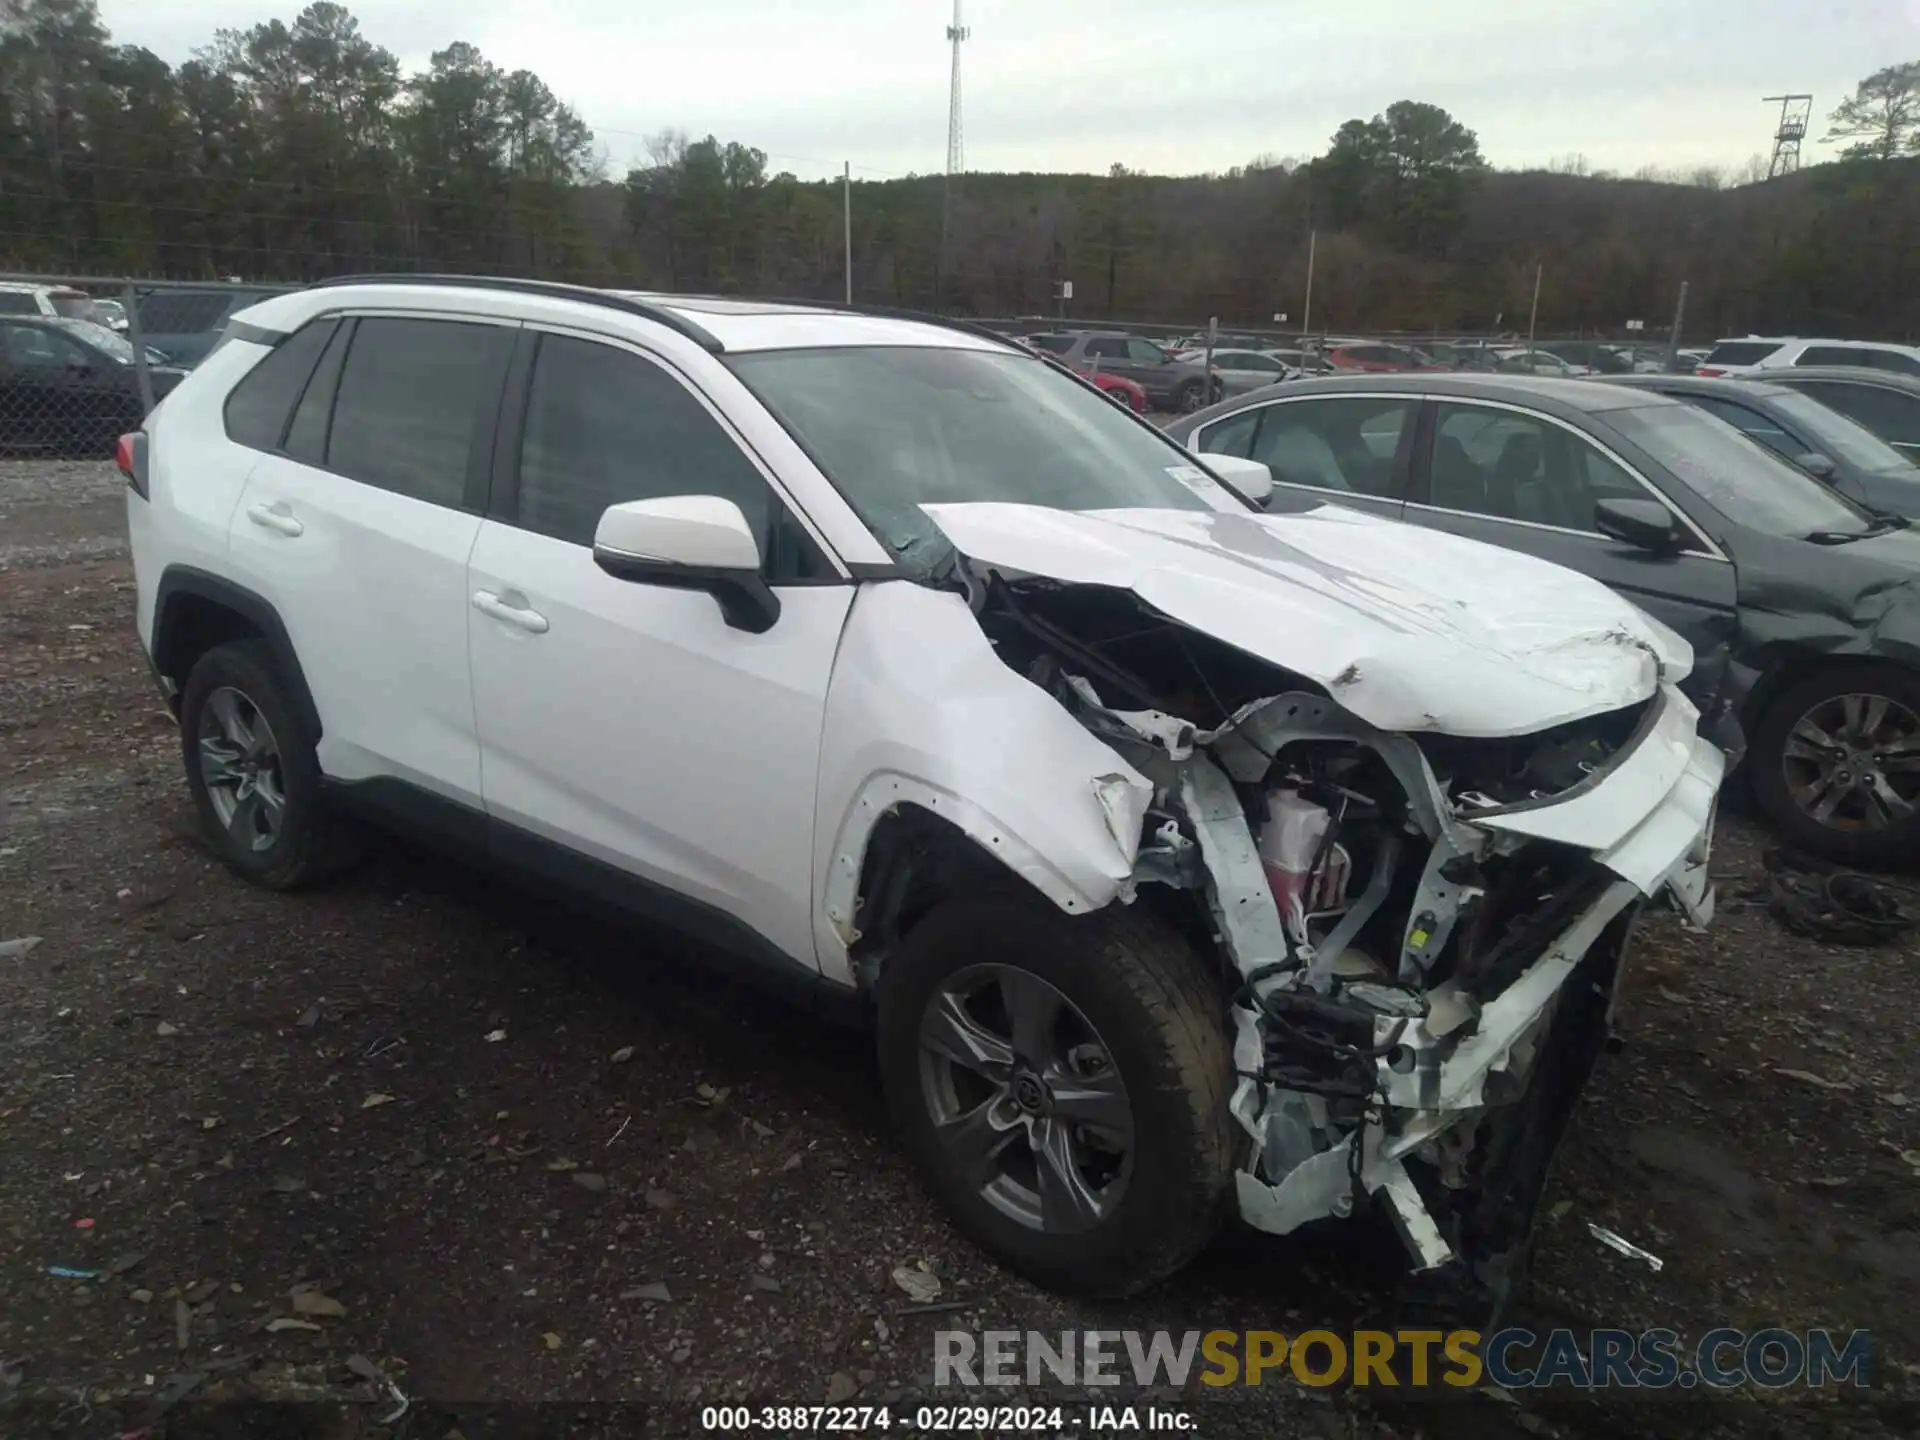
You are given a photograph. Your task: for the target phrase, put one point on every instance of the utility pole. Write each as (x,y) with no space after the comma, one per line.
(1673,341)
(1534,314)
(1306,315)
(846,221)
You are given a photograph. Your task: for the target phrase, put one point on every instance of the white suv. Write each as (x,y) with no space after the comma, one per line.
(1186,859)
(1755,354)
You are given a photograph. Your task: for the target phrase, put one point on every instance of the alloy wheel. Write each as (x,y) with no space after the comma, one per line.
(1852,762)
(1025,1098)
(240,767)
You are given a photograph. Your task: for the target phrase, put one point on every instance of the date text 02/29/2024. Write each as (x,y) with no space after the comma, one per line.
(942,1419)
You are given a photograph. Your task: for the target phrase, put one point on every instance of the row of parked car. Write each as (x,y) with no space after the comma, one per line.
(68,382)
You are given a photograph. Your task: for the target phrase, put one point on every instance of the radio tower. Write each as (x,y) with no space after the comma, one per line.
(956,147)
(1795,111)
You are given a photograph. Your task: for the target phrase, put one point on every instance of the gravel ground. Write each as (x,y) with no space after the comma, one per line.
(519,1158)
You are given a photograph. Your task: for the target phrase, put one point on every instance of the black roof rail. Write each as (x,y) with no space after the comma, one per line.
(552,289)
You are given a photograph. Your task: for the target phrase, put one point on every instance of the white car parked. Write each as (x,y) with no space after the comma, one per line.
(1185,858)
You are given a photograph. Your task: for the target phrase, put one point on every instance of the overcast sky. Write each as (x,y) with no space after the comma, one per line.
(1172,86)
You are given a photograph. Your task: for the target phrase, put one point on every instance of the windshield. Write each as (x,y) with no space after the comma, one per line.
(896,428)
(1839,436)
(73,304)
(100,338)
(1742,479)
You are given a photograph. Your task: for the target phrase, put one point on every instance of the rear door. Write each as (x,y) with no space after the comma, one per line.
(356,524)
(1350,450)
(1529,482)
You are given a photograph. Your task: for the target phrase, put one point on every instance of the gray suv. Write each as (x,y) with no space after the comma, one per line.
(1170,384)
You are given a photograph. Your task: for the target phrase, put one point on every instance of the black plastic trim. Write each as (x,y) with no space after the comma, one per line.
(256,334)
(746,601)
(520,854)
(874,570)
(552,290)
(1656,707)
(178,580)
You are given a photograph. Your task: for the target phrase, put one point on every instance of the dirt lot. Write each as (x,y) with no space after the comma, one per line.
(486,1129)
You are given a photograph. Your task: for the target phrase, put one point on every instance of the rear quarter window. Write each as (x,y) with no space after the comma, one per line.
(260,405)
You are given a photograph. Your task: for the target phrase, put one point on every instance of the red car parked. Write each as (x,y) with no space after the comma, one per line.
(1374,358)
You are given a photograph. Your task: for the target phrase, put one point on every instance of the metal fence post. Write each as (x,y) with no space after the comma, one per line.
(134,338)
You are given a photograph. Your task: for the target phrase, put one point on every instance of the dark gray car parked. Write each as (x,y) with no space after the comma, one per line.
(1803,608)
(1170,384)
(1801,428)
(1879,400)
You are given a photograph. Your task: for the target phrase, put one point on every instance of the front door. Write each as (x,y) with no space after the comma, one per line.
(1527,482)
(628,725)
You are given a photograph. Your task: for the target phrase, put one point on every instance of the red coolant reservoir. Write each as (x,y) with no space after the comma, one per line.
(1290,842)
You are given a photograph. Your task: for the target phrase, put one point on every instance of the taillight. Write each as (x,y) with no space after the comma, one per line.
(1709,370)
(131,456)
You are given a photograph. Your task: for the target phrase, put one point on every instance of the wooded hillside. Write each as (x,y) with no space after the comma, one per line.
(294,151)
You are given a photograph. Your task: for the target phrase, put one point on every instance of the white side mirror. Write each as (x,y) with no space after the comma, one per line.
(1249,478)
(689,542)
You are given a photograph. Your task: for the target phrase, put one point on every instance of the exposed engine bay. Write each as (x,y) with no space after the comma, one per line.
(1423,931)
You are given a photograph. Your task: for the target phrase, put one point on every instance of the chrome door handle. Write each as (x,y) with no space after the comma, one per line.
(512,608)
(276,517)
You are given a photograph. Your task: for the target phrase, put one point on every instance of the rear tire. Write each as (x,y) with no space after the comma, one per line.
(1141,1016)
(1188,398)
(253,772)
(1865,778)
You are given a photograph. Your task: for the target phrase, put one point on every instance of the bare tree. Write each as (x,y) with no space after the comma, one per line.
(1882,116)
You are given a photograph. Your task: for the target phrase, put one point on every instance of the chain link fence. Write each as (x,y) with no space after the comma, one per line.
(85,358)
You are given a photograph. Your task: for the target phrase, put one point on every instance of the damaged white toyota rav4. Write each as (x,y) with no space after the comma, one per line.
(1189,860)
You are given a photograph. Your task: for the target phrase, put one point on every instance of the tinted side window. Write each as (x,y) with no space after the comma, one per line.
(17,302)
(182,312)
(1146,351)
(35,347)
(307,436)
(1891,414)
(412,398)
(1512,466)
(1344,445)
(1750,422)
(1894,360)
(604,427)
(257,410)
(1828,355)
(1054,344)
(1106,348)
(1740,352)
(1233,436)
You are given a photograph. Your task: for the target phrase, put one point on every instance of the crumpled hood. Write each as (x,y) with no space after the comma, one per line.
(1409,629)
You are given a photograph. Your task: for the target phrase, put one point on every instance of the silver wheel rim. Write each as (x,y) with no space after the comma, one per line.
(1852,762)
(240,767)
(1025,1099)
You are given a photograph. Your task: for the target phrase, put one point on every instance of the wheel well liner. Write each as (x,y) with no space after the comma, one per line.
(193,611)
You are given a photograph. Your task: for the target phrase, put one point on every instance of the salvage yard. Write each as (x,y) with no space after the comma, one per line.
(493,1153)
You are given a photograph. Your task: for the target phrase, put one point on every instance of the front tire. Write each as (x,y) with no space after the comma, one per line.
(1190,397)
(1061,1084)
(253,772)
(1835,763)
